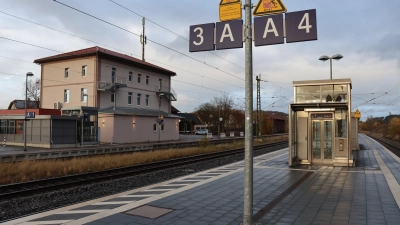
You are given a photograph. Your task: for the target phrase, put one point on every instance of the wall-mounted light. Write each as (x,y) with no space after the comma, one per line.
(103,122)
(133,123)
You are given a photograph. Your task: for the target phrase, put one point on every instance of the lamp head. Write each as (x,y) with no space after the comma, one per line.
(324,58)
(337,56)
(29,74)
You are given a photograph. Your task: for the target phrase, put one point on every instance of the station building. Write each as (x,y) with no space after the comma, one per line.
(117,97)
(322,128)
(101,96)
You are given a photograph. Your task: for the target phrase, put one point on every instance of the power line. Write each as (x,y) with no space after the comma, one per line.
(169,48)
(170,31)
(109,46)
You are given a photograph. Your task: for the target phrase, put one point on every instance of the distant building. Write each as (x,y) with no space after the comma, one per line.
(20,104)
(130,95)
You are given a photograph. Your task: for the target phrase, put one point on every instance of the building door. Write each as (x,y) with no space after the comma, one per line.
(322,141)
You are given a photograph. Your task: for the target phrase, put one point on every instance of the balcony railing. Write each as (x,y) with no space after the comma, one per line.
(113,81)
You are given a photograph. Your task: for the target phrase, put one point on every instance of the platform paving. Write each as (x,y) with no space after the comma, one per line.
(366,194)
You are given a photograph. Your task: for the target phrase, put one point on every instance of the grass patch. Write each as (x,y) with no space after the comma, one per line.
(29,170)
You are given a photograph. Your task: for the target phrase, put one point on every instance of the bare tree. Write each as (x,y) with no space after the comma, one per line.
(33,91)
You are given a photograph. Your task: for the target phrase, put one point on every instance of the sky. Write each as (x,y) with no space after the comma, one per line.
(365,32)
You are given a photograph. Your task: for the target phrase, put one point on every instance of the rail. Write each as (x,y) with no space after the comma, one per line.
(34,187)
(109,149)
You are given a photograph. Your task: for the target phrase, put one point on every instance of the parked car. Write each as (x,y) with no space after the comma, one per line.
(202,131)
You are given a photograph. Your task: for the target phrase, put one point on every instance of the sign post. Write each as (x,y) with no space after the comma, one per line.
(248,139)
(268,30)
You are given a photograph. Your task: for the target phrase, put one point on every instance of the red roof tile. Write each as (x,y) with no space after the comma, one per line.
(103,52)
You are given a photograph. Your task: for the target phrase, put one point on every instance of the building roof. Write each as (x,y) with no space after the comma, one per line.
(20,104)
(128,111)
(105,53)
(190,117)
(174,110)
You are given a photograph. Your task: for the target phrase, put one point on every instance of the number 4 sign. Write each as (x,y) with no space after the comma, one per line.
(301,26)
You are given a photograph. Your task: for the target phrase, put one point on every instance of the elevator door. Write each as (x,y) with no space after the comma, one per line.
(322,141)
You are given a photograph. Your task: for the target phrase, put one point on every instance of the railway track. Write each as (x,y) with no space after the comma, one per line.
(45,185)
(392,147)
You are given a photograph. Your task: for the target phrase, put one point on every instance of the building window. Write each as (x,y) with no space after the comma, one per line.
(129,98)
(66,95)
(66,73)
(162,127)
(155,127)
(138,99)
(112,96)
(84,71)
(113,72)
(83,94)
(147,100)
(11,126)
(138,78)
(147,80)
(159,84)
(130,77)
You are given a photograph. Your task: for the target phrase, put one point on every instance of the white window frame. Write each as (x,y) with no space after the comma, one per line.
(66,73)
(147,80)
(66,95)
(130,76)
(147,100)
(84,71)
(138,97)
(162,127)
(139,76)
(83,98)
(130,98)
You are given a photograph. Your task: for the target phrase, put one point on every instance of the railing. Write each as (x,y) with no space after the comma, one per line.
(106,85)
(166,89)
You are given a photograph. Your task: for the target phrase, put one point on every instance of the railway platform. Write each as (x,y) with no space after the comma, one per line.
(368,193)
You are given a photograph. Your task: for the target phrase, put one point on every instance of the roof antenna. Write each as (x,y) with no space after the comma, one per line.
(143,39)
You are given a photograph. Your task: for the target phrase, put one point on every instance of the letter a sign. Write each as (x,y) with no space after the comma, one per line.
(265,7)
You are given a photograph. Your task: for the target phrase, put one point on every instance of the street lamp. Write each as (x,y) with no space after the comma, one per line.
(336,57)
(159,121)
(29,74)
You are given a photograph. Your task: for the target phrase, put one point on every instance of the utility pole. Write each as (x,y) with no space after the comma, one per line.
(143,39)
(258,119)
(248,141)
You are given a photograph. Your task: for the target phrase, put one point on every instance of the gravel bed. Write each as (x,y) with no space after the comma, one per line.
(24,206)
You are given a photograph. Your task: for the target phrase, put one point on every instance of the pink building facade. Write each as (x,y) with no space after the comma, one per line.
(130,94)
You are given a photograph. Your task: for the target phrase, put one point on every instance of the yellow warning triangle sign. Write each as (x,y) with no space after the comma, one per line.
(265,7)
(223,2)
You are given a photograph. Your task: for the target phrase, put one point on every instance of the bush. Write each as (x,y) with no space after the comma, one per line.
(204,142)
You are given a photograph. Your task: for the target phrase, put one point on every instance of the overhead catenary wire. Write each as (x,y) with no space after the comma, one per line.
(110,46)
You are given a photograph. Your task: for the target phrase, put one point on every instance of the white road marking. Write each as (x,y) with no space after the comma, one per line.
(82,211)
(46,222)
(113,203)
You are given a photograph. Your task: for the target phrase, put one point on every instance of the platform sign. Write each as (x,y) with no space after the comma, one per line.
(266,7)
(268,30)
(30,115)
(229,34)
(201,37)
(230,10)
(301,26)
(357,114)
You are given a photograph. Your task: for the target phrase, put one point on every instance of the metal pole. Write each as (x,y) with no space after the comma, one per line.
(331,66)
(219,121)
(143,39)
(248,175)
(82,130)
(26,102)
(159,124)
